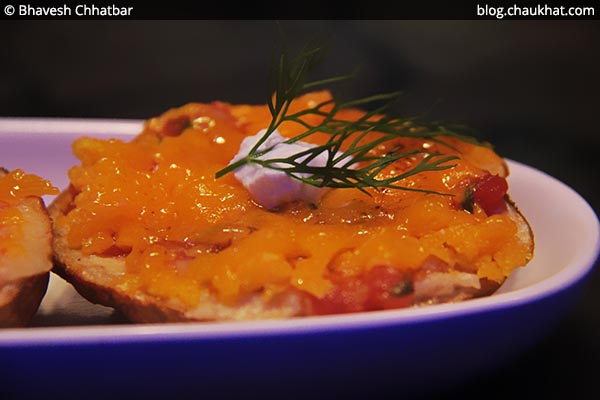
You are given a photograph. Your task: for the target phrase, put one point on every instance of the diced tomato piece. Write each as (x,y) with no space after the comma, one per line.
(489,194)
(114,252)
(382,288)
(348,295)
(388,288)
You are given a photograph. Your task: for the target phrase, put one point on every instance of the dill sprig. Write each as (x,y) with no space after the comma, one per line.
(350,160)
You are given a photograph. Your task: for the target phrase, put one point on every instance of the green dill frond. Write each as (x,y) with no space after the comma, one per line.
(350,160)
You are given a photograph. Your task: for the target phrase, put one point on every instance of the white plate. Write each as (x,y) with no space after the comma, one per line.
(411,348)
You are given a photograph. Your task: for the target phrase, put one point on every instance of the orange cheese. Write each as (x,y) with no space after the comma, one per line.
(156,202)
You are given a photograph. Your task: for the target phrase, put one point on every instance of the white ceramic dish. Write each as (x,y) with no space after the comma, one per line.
(441,344)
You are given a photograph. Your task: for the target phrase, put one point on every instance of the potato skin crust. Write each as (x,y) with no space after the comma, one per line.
(20,300)
(87,276)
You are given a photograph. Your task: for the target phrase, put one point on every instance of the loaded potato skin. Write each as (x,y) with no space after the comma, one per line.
(147,228)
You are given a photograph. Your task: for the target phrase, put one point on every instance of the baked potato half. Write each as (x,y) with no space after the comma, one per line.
(146,227)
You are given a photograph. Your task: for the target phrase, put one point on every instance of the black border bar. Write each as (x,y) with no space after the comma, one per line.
(286,10)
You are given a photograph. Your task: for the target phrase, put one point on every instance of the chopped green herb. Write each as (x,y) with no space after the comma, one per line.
(402,288)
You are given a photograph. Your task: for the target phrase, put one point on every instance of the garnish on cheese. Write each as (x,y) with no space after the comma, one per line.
(272,187)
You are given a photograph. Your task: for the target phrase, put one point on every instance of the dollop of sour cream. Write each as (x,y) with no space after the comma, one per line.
(271,188)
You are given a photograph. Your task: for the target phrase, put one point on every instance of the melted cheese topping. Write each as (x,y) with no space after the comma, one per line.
(155,201)
(17,185)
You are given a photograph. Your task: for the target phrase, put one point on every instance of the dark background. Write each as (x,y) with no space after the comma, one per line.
(530,87)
